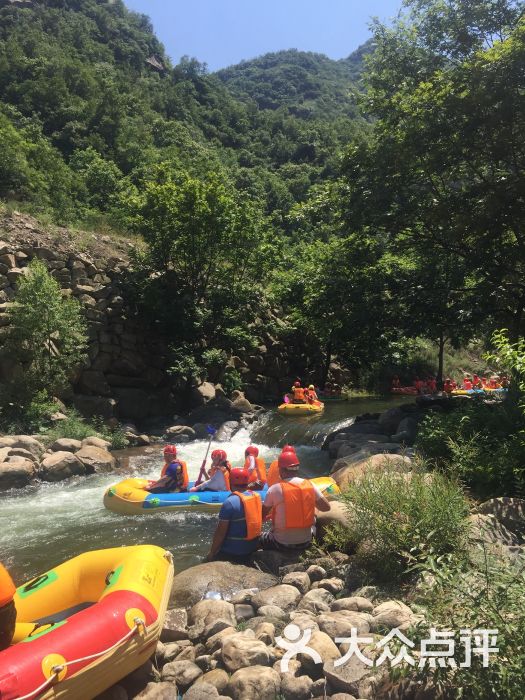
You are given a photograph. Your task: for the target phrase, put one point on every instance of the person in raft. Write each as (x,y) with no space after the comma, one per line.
(291,505)
(255,467)
(298,393)
(310,394)
(174,475)
(240,521)
(218,478)
(7,608)
(273,476)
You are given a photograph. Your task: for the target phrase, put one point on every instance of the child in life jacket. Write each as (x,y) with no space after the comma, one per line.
(255,467)
(174,475)
(218,478)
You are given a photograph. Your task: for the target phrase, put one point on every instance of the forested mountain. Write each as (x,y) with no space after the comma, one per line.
(90,105)
(307,84)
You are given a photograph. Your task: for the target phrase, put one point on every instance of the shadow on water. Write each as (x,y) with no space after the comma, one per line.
(43,525)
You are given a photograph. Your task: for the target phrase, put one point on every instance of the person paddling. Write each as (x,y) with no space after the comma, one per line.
(174,475)
(7,608)
(273,476)
(291,504)
(298,393)
(218,478)
(240,522)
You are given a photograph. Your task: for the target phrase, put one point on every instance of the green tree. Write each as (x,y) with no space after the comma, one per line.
(47,334)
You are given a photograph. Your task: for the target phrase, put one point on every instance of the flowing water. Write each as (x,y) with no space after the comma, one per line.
(43,525)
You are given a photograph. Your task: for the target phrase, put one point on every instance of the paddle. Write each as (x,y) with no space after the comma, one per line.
(211,431)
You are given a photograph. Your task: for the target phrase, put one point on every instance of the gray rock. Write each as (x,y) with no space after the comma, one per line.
(218,678)
(333,585)
(207,612)
(94,441)
(182,673)
(158,691)
(272,611)
(299,579)
(26,442)
(317,600)
(347,677)
(96,459)
(341,623)
(175,625)
(355,603)
(316,573)
(239,651)
(255,683)
(16,474)
(286,597)
(327,650)
(201,691)
(509,511)
(244,611)
(296,687)
(226,431)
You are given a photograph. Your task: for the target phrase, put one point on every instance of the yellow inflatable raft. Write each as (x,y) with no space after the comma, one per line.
(128,497)
(87,623)
(301,409)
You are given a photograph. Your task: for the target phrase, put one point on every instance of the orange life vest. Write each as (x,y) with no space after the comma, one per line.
(252,505)
(298,393)
(226,473)
(260,468)
(274,476)
(299,504)
(185,477)
(467,384)
(7,587)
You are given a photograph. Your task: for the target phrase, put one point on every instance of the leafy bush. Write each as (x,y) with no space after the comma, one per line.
(480,444)
(231,381)
(489,595)
(77,428)
(395,518)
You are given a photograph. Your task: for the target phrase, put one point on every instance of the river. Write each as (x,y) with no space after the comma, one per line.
(45,524)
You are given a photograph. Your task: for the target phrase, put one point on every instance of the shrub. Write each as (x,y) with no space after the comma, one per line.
(395,518)
(488,595)
(231,381)
(77,428)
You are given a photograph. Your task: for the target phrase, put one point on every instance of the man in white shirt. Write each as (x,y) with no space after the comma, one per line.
(291,503)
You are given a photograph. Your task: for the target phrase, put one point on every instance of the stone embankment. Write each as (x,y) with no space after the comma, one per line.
(25,459)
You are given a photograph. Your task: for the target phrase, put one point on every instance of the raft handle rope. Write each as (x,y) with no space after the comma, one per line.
(57,670)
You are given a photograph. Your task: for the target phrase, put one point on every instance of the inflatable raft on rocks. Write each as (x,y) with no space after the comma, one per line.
(129,497)
(86,624)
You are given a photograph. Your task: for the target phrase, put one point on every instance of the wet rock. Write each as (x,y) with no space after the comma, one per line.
(283,595)
(299,579)
(96,459)
(255,683)
(61,465)
(226,431)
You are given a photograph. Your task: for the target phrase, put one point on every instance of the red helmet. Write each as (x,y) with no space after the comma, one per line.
(297,383)
(220,455)
(288,448)
(239,477)
(252,451)
(170,450)
(288,460)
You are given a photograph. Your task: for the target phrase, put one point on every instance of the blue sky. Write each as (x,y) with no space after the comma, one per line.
(223,32)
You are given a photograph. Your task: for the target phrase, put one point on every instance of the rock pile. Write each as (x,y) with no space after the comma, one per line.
(24,459)
(232,648)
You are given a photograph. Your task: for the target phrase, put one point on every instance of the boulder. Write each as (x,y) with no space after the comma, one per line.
(61,465)
(338,514)
(341,622)
(202,394)
(510,512)
(25,442)
(325,647)
(206,612)
(265,632)
(175,625)
(242,405)
(296,687)
(391,614)
(243,611)
(283,595)
(178,431)
(406,431)
(317,600)
(239,651)
(486,529)
(182,673)
(333,585)
(157,691)
(346,474)
(255,683)
(354,603)
(94,441)
(314,571)
(304,620)
(16,474)
(23,454)
(347,677)
(66,445)
(226,431)
(299,579)
(390,419)
(273,611)
(218,678)
(201,691)
(96,460)
(222,577)
(214,642)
